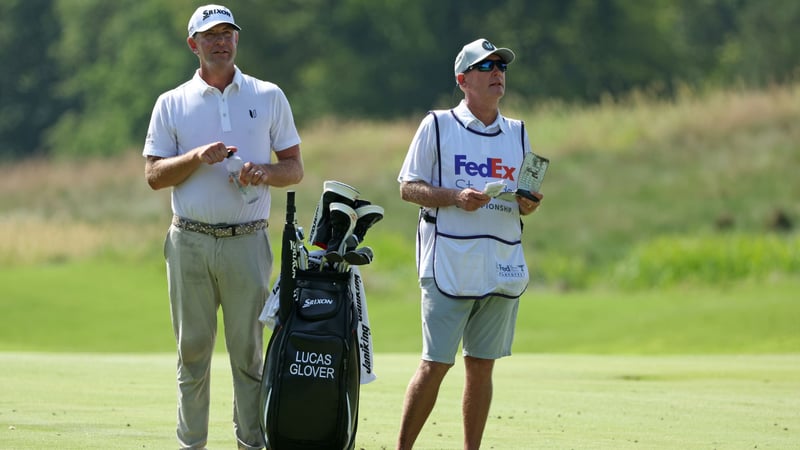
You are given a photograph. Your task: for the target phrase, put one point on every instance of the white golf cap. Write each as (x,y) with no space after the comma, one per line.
(477,51)
(206,17)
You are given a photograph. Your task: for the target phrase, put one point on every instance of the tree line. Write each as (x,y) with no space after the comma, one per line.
(81,76)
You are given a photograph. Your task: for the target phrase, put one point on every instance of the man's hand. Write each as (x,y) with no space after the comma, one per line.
(213,153)
(526,205)
(254,174)
(470,199)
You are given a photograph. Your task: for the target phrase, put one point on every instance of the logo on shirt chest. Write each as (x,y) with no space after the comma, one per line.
(490,168)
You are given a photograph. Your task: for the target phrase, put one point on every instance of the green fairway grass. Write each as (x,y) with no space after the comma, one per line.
(111,401)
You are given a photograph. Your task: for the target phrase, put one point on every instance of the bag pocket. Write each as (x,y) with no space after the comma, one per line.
(310,386)
(475,268)
(320,295)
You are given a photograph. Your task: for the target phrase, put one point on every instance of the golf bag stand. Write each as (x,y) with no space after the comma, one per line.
(311,379)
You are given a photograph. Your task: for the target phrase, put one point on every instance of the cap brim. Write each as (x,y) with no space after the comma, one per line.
(506,54)
(211,25)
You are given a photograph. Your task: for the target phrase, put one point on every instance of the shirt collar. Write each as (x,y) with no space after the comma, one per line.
(469,120)
(203,88)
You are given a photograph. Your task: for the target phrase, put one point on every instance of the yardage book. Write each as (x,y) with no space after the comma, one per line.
(531,175)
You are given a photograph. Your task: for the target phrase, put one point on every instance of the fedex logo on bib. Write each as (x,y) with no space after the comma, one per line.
(490,168)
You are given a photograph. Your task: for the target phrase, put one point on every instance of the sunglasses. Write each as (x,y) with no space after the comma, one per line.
(487,65)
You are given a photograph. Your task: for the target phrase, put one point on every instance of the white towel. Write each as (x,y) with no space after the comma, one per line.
(359,298)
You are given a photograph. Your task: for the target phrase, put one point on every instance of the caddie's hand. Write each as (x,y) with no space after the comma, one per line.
(526,205)
(214,152)
(470,199)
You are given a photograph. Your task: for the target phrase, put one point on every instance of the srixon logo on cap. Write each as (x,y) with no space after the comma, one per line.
(209,12)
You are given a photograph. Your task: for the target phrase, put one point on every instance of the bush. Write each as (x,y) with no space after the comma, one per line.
(720,258)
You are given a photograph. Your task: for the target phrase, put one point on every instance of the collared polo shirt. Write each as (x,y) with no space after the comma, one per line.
(469,121)
(251,114)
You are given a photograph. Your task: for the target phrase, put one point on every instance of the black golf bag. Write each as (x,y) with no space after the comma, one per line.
(311,380)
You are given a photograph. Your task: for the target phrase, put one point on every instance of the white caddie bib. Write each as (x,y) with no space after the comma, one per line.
(477,254)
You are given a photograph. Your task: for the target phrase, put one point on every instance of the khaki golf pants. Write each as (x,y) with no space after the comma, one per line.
(205,273)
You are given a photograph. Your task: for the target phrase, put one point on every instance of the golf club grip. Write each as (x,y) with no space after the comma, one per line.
(288,260)
(290,208)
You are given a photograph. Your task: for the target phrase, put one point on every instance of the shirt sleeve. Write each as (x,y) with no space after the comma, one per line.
(420,161)
(283,132)
(161,137)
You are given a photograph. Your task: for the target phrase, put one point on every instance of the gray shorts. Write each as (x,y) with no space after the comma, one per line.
(486,326)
